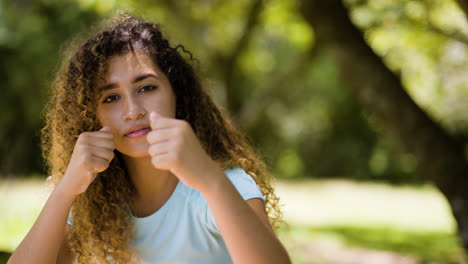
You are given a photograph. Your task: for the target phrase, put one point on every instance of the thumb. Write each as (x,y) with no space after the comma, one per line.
(154,116)
(106,129)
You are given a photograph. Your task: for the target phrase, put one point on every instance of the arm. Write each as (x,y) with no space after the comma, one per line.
(48,237)
(243,225)
(174,146)
(42,243)
(65,255)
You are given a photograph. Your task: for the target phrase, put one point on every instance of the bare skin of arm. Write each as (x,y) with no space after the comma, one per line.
(42,243)
(47,239)
(244,226)
(65,255)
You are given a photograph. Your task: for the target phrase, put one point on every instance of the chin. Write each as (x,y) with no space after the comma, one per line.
(135,152)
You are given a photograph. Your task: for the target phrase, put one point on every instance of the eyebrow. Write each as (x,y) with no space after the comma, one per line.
(137,79)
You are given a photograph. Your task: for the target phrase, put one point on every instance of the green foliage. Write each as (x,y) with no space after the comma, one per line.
(293,106)
(4,257)
(425,42)
(31,35)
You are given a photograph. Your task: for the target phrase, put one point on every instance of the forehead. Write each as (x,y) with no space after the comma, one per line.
(124,67)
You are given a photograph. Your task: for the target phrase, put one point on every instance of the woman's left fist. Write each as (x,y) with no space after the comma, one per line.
(174,146)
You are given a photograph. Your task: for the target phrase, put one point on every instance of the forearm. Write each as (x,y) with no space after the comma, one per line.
(247,238)
(42,243)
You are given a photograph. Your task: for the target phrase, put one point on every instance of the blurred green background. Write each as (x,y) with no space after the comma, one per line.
(351,193)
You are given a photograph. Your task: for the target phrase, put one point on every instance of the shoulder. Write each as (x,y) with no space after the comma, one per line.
(244,183)
(238,173)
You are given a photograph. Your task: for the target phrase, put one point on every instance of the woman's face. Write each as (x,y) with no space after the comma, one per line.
(134,87)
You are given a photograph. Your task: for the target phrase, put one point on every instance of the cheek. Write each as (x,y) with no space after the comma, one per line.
(103,121)
(105,115)
(170,105)
(105,118)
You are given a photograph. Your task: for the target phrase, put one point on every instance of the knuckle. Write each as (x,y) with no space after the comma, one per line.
(83,135)
(79,144)
(80,139)
(185,124)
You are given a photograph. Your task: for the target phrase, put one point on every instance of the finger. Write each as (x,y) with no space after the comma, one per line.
(154,115)
(160,135)
(160,122)
(100,164)
(161,161)
(93,175)
(157,149)
(106,143)
(102,153)
(106,129)
(102,134)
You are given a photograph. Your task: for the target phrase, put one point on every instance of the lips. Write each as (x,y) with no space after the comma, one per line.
(137,131)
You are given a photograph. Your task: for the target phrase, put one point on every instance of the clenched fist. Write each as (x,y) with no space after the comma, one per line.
(92,154)
(174,146)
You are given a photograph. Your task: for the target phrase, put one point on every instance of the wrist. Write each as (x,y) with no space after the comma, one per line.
(216,180)
(64,193)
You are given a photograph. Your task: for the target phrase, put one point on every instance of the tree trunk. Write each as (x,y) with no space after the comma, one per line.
(464,6)
(441,158)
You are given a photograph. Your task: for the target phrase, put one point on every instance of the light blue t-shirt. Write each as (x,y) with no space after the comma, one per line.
(184,230)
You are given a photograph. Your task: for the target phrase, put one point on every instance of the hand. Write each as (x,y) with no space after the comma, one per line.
(175,147)
(92,154)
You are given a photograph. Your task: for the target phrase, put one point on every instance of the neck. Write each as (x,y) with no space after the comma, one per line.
(151,184)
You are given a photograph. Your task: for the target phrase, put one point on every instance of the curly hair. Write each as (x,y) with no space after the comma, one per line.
(101,221)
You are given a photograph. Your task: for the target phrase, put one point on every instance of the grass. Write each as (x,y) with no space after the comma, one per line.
(338,216)
(424,247)
(330,221)
(20,203)
(321,203)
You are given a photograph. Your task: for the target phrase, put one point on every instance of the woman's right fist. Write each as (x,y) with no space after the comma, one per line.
(92,154)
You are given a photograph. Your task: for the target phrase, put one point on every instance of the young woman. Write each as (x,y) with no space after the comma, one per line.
(146,167)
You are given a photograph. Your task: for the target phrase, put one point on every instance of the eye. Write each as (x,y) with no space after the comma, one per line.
(110,98)
(147,88)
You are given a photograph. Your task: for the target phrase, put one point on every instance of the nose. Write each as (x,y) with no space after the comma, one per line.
(134,110)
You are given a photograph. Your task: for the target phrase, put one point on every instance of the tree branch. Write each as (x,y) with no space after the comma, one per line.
(430,27)
(463,4)
(228,63)
(440,157)
(257,103)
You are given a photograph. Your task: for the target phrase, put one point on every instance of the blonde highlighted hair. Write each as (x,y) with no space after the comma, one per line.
(101,220)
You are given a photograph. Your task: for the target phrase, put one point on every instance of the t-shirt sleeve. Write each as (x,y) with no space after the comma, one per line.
(69,218)
(245,185)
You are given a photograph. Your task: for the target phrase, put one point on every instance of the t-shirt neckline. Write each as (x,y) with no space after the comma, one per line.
(161,210)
